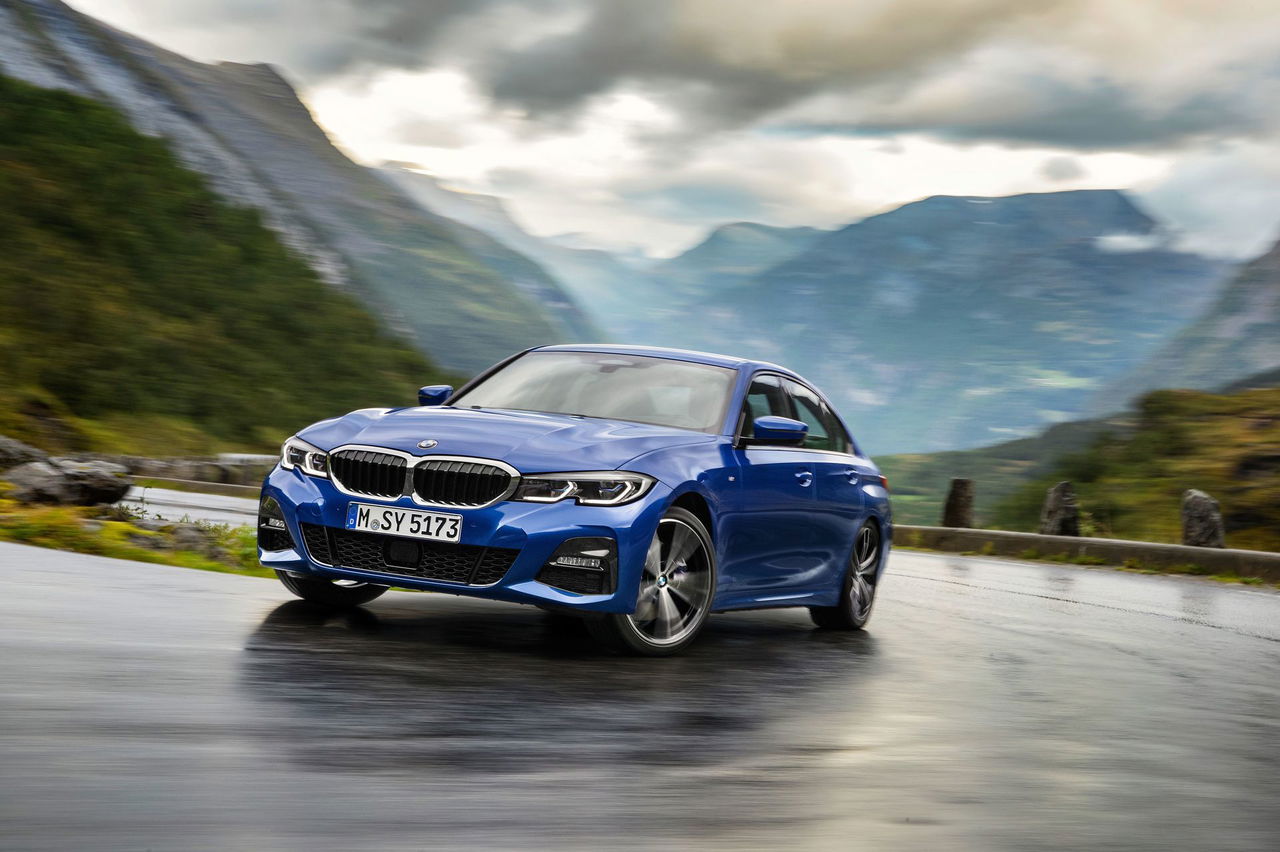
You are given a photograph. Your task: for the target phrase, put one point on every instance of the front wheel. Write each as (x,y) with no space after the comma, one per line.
(676,587)
(859,590)
(334,593)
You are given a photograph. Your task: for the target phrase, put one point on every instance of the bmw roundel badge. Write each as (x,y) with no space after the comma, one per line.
(427,444)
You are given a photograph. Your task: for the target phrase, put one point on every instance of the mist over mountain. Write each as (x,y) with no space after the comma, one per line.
(465,301)
(960,321)
(607,286)
(1238,336)
(730,255)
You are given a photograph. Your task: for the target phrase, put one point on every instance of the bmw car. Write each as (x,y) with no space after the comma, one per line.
(638,488)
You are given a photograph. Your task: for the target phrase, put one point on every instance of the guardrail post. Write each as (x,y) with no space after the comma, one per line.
(958,510)
(1060,514)
(1201,520)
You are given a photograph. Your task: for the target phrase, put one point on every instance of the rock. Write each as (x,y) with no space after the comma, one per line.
(195,538)
(152,524)
(181,469)
(1201,520)
(151,542)
(38,482)
(210,472)
(94,482)
(1060,514)
(958,510)
(69,482)
(14,453)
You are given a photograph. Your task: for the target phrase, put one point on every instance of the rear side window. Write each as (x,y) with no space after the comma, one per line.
(825,431)
(765,397)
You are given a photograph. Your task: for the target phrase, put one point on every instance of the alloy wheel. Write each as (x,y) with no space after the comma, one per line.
(675,589)
(866,559)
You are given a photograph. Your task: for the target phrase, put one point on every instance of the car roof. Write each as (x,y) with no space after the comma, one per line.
(730,361)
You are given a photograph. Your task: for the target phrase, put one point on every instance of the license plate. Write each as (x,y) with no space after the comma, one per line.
(410,523)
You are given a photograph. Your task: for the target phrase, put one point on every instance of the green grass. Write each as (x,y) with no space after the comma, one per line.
(83,530)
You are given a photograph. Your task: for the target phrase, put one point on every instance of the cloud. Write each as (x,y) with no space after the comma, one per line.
(1082,73)
(1224,200)
(1062,168)
(660,118)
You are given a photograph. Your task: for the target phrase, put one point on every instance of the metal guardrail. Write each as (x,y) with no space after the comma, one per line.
(200,486)
(1138,554)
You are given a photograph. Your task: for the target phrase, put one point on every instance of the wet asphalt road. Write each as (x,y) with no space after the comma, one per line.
(992,705)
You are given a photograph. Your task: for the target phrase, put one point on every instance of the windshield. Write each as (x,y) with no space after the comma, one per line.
(617,387)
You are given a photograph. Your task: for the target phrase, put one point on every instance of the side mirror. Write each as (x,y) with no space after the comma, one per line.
(434,394)
(778,431)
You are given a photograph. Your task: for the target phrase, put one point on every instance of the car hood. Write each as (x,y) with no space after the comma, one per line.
(531,442)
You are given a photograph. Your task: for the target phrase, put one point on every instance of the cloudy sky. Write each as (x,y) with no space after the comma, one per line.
(644,122)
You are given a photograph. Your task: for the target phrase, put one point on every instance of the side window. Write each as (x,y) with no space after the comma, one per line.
(825,432)
(764,397)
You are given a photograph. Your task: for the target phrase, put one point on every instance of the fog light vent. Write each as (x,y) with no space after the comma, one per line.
(272,532)
(586,566)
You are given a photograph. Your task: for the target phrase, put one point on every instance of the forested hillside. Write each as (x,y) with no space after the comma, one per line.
(1131,485)
(920,480)
(138,312)
(247,131)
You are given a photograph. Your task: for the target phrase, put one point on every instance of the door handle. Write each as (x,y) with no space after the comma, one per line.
(804,477)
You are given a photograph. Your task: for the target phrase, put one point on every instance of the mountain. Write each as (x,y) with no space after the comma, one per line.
(140,312)
(1239,335)
(1266,379)
(731,254)
(244,127)
(956,321)
(605,286)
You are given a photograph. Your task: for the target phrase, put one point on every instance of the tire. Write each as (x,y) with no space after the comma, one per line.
(338,594)
(858,592)
(677,585)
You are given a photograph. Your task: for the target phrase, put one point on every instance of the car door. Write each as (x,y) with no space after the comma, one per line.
(839,506)
(768,530)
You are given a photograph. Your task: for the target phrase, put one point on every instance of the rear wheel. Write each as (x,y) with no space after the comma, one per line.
(334,593)
(859,591)
(676,587)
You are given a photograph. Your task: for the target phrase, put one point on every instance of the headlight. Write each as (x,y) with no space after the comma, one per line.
(590,488)
(297,453)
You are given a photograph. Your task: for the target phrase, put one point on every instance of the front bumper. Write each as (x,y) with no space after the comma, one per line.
(534,530)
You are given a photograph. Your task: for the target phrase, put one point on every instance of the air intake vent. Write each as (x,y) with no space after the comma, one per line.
(403,557)
(368,472)
(459,483)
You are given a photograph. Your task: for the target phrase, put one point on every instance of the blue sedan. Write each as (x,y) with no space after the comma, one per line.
(639,488)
